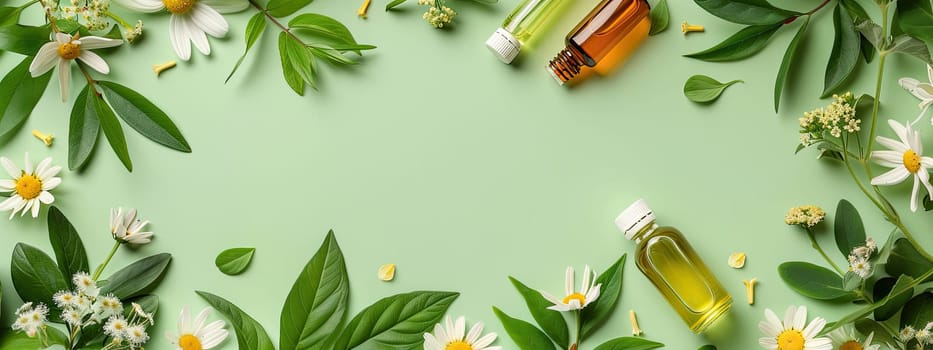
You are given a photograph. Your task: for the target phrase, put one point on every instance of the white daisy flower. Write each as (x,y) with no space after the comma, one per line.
(589,292)
(454,337)
(136,335)
(197,335)
(66,48)
(127,229)
(191,21)
(63,299)
(860,266)
(906,158)
(29,186)
(116,327)
(845,338)
(923,91)
(85,284)
(794,333)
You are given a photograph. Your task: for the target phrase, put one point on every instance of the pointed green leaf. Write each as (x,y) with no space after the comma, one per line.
(13,340)
(904,44)
(869,326)
(9,15)
(708,347)
(883,288)
(871,32)
(845,53)
(915,18)
(330,55)
(629,343)
(866,310)
(250,335)
(393,4)
(525,335)
(317,302)
(282,8)
(611,290)
(918,311)
(69,250)
(112,129)
(83,130)
(848,226)
(660,17)
(552,322)
(234,261)
(396,322)
(752,12)
(703,89)
(322,26)
(292,78)
(138,277)
(905,259)
(814,281)
(144,116)
(787,61)
(745,43)
(254,29)
(19,94)
(24,40)
(35,276)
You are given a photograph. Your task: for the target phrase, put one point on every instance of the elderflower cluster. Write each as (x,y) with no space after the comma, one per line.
(31,320)
(860,256)
(94,13)
(128,334)
(835,118)
(805,215)
(438,15)
(922,336)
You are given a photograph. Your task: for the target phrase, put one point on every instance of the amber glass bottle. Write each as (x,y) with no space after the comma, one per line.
(612,30)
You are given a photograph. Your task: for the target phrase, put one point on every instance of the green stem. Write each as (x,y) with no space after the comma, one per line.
(119,20)
(865,311)
(578,317)
(823,4)
(30,3)
(276,22)
(100,269)
(823,253)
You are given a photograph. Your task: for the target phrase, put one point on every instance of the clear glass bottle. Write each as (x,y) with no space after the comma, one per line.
(671,264)
(610,32)
(518,29)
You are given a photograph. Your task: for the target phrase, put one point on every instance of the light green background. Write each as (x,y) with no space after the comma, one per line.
(435,156)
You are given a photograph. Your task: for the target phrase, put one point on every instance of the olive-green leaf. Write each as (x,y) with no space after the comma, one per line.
(907,45)
(395,322)
(611,290)
(660,17)
(869,326)
(35,276)
(12,340)
(69,250)
(138,277)
(144,116)
(24,40)
(708,347)
(322,26)
(786,63)
(752,12)
(918,311)
(112,129)
(282,8)
(525,335)
(867,309)
(814,281)
(927,203)
(845,53)
(892,305)
(10,15)
(629,343)
(329,54)
(254,29)
(234,261)
(300,60)
(19,94)
(250,335)
(743,44)
(871,32)
(552,322)
(703,89)
(84,127)
(393,4)
(848,227)
(857,13)
(292,78)
(915,18)
(904,259)
(317,302)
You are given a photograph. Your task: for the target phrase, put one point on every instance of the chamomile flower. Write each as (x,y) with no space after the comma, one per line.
(589,292)
(30,319)
(923,91)
(197,335)
(793,333)
(30,186)
(454,337)
(116,327)
(191,20)
(845,338)
(136,334)
(860,266)
(125,228)
(85,284)
(906,158)
(66,48)
(64,298)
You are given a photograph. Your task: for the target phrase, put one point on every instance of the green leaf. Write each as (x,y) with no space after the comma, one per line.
(282,8)
(24,40)
(254,30)
(234,261)
(850,232)
(814,281)
(112,129)
(317,302)
(871,32)
(292,78)
(330,55)
(927,203)
(918,311)
(753,12)
(703,89)
(19,94)
(864,311)
(83,130)
(845,53)
(396,322)
(660,17)
(525,335)
(869,326)
(250,335)
(906,260)
(300,60)
(138,277)
(12,340)
(599,310)
(883,287)
(915,18)
(69,250)
(35,276)
(857,13)
(393,4)
(629,343)
(323,26)
(348,47)
(745,43)
(9,15)
(552,322)
(787,61)
(142,115)
(708,347)
(904,44)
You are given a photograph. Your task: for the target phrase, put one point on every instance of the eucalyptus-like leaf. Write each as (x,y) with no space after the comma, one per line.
(743,44)
(752,12)
(907,45)
(396,322)
(35,275)
(393,4)
(869,326)
(292,78)
(138,277)
(250,335)
(234,261)
(83,130)
(144,116)
(918,311)
(871,32)
(552,322)
(67,245)
(525,335)
(254,29)
(905,259)
(660,17)
(814,281)
(282,8)
(892,305)
(786,63)
(112,129)
(19,94)
(24,40)
(629,343)
(845,53)
(703,89)
(610,291)
(848,227)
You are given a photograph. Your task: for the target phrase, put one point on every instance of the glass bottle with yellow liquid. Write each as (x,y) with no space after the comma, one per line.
(525,22)
(671,264)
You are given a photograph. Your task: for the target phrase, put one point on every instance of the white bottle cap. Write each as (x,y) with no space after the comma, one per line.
(634,218)
(504,45)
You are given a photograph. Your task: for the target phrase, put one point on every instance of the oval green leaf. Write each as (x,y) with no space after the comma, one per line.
(19,94)
(848,227)
(112,129)
(250,335)
(83,129)
(35,276)
(254,29)
(703,89)
(234,261)
(847,48)
(883,288)
(743,44)
(552,322)
(525,335)
(599,310)
(787,61)
(24,40)
(69,250)
(282,8)
(11,340)
(317,302)
(144,116)
(814,281)
(660,17)
(138,277)
(629,343)
(324,27)
(904,259)
(396,322)
(918,311)
(292,78)
(708,347)
(869,326)
(753,12)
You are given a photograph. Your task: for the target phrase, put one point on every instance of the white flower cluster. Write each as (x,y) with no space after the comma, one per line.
(922,336)
(95,13)
(129,334)
(438,15)
(132,34)
(31,320)
(860,256)
(805,215)
(839,116)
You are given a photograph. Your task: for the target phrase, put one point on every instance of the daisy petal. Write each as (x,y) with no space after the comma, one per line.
(459,328)
(35,207)
(227,6)
(430,343)
(209,20)
(179,35)
(94,61)
(568,281)
(64,77)
(11,169)
(913,194)
(474,333)
(45,59)
(7,185)
(892,144)
(197,36)
(585,286)
(485,341)
(888,159)
(45,197)
(145,6)
(96,42)
(892,177)
(814,327)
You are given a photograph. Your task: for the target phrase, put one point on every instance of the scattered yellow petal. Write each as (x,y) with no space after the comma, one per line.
(387,272)
(635,329)
(737,260)
(159,68)
(750,290)
(687,28)
(363,8)
(46,138)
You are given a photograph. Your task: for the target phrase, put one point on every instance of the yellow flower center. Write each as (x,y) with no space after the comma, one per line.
(69,51)
(28,186)
(575,296)
(178,7)
(189,342)
(850,345)
(790,339)
(911,161)
(458,345)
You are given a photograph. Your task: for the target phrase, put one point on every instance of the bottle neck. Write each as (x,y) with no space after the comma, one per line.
(567,64)
(645,232)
